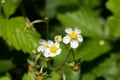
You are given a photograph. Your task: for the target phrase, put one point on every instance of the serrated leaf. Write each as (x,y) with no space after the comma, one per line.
(6,65)
(85,19)
(13,32)
(113,25)
(29,76)
(108,69)
(112,5)
(9,6)
(92,49)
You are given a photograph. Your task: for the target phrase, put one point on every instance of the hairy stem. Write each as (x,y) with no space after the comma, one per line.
(63,65)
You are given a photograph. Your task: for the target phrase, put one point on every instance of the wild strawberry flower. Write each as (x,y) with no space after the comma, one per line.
(73,37)
(43,45)
(53,49)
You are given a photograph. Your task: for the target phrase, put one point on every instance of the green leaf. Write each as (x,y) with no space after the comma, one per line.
(85,19)
(29,76)
(13,32)
(5,77)
(71,75)
(54,76)
(9,6)
(51,6)
(92,49)
(112,5)
(108,69)
(91,3)
(6,65)
(113,25)
(88,76)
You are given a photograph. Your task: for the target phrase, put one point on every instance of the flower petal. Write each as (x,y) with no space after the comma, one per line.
(68,30)
(47,52)
(57,44)
(80,38)
(50,43)
(42,42)
(74,44)
(58,51)
(52,54)
(66,39)
(77,30)
(40,48)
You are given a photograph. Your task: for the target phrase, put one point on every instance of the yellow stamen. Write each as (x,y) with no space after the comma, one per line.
(73,35)
(53,49)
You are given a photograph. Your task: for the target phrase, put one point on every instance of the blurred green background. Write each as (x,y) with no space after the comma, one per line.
(99,21)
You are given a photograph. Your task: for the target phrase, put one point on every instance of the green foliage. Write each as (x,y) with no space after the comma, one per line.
(113,25)
(29,76)
(108,69)
(6,65)
(5,77)
(85,19)
(54,76)
(9,6)
(71,75)
(52,5)
(100,29)
(112,5)
(92,49)
(16,36)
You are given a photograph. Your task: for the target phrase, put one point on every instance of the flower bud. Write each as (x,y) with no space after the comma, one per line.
(31,68)
(58,38)
(40,77)
(76,67)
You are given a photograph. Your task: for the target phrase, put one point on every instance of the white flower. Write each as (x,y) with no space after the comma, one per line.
(73,37)
(53,49)
(58,38)
(43,45)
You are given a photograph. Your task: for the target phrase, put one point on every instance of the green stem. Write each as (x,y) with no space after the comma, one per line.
(63,65)
(73,55)
(39,21)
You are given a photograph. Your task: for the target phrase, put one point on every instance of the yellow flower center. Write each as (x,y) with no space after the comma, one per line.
(73,35)
(53,49)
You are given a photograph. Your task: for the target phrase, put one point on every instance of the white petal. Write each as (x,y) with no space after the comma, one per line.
(66,39)
(52,54)
(57,44)
(50,43)
(68,30)
(42,41)
(47,52)
(74,44)
(40,48)
(80,38)
(58,51)
(77,30)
